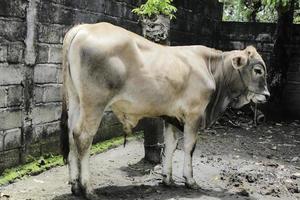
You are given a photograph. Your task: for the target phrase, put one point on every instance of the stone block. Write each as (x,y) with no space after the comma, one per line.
(12,139)
(1,141)
(52,93)
(110,127)
(44,131)
(50,33)
(42,53)
(46,73)
(12,30)
(13,8)
(55,54)
(237,45)
(14,95)
(3,53)
(38,94)
(10,118)
(264,37)
(131,26)
(96,6)
(15,52)
(55,14)
(46,113)
(11,74)
(9,158)
(3,96)
(268,47)
(114,8)
(59,75)
(47,93)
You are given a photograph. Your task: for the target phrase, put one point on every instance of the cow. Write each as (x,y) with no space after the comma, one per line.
(106,66)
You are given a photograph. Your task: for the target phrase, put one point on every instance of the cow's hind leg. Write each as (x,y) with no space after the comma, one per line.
(170,141)
(86,128)
(73,155)
(190,138)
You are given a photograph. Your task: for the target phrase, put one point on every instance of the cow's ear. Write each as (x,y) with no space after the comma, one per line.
(250,50)
(239,61)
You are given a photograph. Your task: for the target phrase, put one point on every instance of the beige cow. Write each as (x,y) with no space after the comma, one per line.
(108,66)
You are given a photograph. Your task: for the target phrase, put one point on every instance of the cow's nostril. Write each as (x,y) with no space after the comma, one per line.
(267,94)
(267,97)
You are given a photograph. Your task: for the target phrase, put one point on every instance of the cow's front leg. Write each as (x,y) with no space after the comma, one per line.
(190,138)
(170,141)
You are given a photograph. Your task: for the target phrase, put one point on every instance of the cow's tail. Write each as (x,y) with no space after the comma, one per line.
(64,136)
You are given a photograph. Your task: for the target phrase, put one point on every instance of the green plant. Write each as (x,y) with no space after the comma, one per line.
(156,7)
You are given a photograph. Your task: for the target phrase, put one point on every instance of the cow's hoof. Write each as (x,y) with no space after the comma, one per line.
(191,184)
(168,182)
(76,189)
(91,196)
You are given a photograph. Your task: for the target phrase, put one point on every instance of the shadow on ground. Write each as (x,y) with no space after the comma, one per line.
(140,168)
(157,192)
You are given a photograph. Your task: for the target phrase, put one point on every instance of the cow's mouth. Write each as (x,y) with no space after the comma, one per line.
(259,98)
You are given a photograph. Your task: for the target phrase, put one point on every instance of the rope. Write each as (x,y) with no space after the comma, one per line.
(255,115)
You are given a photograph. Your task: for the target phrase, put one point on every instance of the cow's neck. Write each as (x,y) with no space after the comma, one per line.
(222,71)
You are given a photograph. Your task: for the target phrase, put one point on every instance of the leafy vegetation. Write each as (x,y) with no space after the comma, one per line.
(50,161)
(258,10)
(156,7)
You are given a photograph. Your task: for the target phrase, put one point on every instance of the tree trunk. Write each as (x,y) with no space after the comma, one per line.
(153,139)
(157,30)
(280,61)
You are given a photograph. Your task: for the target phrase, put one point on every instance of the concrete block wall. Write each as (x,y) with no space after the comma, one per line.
(12,68)
(196,22)
(30,64)
(291,93)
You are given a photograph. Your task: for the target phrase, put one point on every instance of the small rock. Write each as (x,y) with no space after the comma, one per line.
(295,159)
(274,148)
(244,193)
(292,187)
(281,167)
(251,178)
(38,181)
(41,162)
(271,164)
(295,175)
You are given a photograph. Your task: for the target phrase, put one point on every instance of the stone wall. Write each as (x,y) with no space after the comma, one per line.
(196,22)
(31,38)
(291,95)
(12,85)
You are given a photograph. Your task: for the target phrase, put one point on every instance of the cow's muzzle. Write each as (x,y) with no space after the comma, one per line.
(261,98)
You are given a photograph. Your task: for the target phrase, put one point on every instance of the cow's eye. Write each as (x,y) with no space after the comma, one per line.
(258,71)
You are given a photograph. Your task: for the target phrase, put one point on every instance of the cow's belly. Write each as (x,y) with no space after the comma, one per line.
(140,107)
(130,108)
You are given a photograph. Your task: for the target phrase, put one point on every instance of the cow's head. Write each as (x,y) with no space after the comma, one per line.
(249,78)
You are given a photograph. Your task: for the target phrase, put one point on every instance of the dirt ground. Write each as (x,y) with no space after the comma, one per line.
(229,163)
